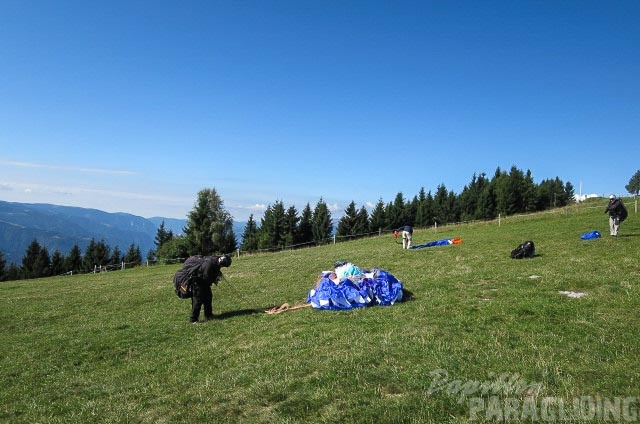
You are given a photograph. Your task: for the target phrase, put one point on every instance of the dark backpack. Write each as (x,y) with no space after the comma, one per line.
(622,215)
(525,250)
(617,210)
(183,278)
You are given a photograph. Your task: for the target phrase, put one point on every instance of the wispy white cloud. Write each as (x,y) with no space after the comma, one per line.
(257,207)
(19,164)
(5,187)
(31,188)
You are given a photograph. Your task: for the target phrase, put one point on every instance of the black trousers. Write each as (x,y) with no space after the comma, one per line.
(202,296)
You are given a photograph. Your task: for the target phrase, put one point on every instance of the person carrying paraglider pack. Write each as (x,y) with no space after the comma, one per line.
(617,214)
(407,235)
(197,275)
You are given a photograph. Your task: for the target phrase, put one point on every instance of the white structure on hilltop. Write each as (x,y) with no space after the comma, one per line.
(582,197)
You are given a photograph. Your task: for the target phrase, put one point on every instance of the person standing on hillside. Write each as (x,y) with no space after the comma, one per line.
(206,274)
(407,236)
(617,214)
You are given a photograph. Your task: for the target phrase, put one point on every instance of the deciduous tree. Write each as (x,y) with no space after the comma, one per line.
(634,184)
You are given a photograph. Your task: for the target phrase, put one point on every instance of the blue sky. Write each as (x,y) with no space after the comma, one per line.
(135,106)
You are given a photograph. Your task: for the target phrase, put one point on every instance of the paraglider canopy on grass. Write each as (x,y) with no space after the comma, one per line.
(350,287)
(443,242)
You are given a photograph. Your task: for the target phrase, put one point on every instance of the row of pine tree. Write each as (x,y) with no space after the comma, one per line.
(483,198)
(209,227)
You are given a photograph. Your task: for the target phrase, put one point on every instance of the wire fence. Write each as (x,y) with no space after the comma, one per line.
(334,239)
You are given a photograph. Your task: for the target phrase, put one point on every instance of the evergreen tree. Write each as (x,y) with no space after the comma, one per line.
(551,194)
(270,229)
(162,236)
(209,226)
(469,201)
(396,215)
(36,262)
(279,224)
(305,225)
(429,207)
(96,255)
(529,195)
(347,223)
(487,204)
(291,220)
(3,264)
(361,225)
(421,219)
(27,268)
(73,262)
(559,195)
(634,184)
(322,225)
(378,220)
(133,255)
(545,194)
(453,208)
(569,193)
(441,210)
(504,194)
(57,263)
(44,263)
(250,236)
(411,210)
(12,273)
(116,256)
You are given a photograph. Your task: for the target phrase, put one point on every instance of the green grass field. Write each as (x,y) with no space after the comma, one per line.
(478,330)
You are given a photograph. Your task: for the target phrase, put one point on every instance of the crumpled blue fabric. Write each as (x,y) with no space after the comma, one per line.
(591,235)
(383,289)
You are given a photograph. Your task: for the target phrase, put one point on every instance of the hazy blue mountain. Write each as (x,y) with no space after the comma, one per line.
(60,227)
(174,224)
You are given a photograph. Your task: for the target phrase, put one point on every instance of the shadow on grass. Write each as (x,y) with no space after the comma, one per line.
(239,312)
(407,296)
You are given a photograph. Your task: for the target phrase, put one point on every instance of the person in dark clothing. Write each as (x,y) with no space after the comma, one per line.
(407,236)
(208,273)
(617,214)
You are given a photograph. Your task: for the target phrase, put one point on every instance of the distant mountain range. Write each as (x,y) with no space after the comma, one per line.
(61,227)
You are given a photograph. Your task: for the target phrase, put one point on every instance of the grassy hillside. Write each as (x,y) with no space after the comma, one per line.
(117,347)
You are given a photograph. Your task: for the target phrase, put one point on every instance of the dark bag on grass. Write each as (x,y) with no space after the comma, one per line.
(525,250)
(182,280)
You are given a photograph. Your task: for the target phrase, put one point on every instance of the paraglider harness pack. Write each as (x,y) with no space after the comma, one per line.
(183,279)
(525,250)
(618,209)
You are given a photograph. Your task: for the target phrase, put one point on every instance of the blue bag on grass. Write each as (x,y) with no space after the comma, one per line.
(591,235)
